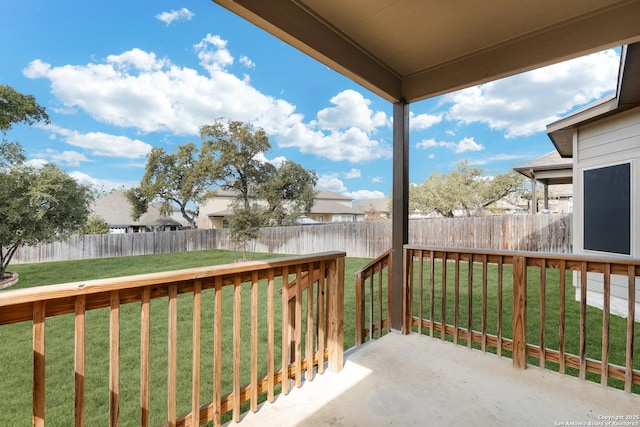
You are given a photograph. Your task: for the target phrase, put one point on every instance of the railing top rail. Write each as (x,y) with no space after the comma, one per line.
(540,255)
(380,257)
(98,286)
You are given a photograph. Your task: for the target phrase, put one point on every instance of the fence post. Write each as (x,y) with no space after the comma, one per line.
(335,295)
(520,312)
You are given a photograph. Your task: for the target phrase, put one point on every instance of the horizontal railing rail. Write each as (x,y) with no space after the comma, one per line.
(207,304)
(521,304)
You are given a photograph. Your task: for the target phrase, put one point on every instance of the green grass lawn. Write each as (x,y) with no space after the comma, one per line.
(15,341)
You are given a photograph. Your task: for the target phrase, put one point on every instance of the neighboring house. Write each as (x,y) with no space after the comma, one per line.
(374,209)
(604,141)
(555,173)
(115,209)
(328,207)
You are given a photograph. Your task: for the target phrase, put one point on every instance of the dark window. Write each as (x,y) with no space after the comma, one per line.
(607,209)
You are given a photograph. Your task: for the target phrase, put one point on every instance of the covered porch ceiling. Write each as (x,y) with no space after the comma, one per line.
(409,50)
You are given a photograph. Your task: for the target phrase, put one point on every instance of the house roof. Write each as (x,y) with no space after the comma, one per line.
(408,50)
(627,96)
(331,195)
(381,204)
(551,168)
(115,209)
(324,206)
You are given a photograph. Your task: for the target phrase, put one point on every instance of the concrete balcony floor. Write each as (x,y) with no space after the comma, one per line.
(419,381)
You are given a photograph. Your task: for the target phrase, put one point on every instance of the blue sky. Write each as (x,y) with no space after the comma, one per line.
(120,77)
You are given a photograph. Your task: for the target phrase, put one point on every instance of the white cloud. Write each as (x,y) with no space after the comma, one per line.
(377,179)
(353,173)
(67,158)
(36,163)
(247,62)
(100,184)
(103,144)
(138,90)
(183,14)
(423,121)
(277,161)
(364,194)
(213,54)
(524,104)
(330,182)
(353,145)
(351,109)
(464,145)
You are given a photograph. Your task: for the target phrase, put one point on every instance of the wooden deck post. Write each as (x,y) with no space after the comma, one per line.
(400,219)
(335,298)
(520,312)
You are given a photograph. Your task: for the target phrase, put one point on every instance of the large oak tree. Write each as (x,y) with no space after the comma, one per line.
(465,189)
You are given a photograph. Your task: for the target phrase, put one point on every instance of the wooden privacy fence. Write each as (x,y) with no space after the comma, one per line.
(516,304)
(297,302)
(538,233)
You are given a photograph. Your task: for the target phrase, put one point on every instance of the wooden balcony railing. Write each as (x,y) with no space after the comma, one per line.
(304,316)
(516,304)
(373,299)
(522,302)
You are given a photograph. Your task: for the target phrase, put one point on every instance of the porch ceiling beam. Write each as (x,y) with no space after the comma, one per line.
(414,51)
(309,33)
(607,28)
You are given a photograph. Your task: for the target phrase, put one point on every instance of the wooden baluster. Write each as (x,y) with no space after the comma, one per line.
(172,352)
(237,341)
(322,318)
(519,312)
(310,309)
(421,291)
(543,313)
(270,337)
(195,361)
(561,332)
(470,302)
(298,327)
(583,320)
(217,351)
(359,310)
(631,307)
(456,299)
(443,307)
(38,405)
(499,314)
(145,332)
(114,360)
(606,312)
(380,322)
(484,303)
(371,305)
(254,341)
(432,291)
(79,359)
(286,340)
